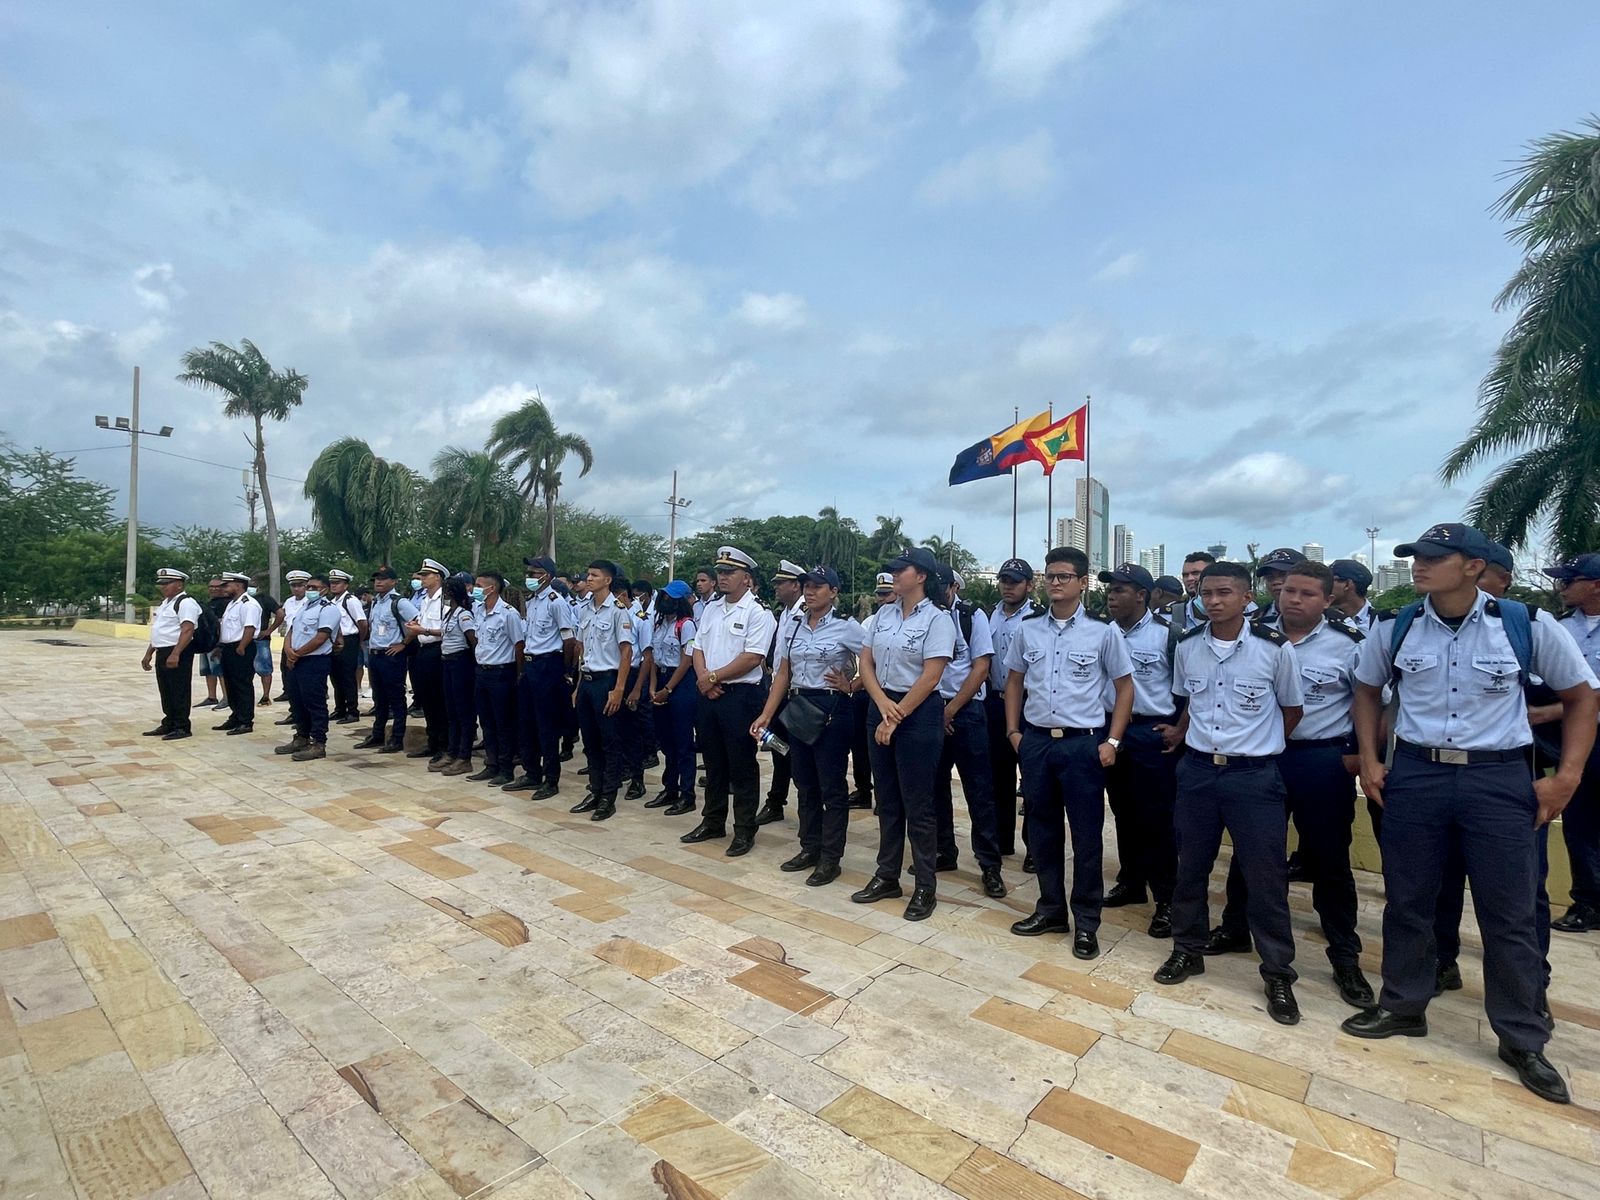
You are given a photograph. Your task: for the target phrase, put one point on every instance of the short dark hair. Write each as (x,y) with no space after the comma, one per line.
(1069,554)
(643,585)
(1314,570)
(610,568)
(1204,556)
(499,579)
(1229,570)
(317,577)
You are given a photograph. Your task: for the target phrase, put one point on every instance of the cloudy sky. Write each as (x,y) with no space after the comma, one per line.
(803,253)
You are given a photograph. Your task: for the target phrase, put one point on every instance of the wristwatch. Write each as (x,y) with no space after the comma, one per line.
(711,678)
(1114,743)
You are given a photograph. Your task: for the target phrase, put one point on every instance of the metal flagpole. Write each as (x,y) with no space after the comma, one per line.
(1015,417)
(1050,494)
(1088,496)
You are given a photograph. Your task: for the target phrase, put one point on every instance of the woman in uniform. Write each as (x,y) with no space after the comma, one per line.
(672,695)
(456,653)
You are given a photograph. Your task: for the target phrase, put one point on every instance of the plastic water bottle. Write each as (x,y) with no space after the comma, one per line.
(771,741)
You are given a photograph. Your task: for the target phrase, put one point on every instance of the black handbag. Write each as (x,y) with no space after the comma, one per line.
(804,720)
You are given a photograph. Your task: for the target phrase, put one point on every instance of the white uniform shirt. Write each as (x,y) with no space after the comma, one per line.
(242,612)
(166,622)
(430,612)
(1237,690)
(290,607)
(350,611)
(728,630)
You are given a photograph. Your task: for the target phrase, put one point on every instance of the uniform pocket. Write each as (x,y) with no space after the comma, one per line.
(1250,695)
(1494,675)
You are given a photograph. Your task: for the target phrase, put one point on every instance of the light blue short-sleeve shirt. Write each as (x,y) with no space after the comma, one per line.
(1237,690)
(1327,656)
(308,619)
(455,622)
(670,643)
(1148,644)
(901,644)
(811,652)
(499,633)
(1068,669)
(387,620)
(967,653)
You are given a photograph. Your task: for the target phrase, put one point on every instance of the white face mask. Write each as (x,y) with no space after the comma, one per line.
(313,594)
(249,591)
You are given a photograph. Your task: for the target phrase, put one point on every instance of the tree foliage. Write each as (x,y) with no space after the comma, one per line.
(362,502)
(526,440)
(474,496)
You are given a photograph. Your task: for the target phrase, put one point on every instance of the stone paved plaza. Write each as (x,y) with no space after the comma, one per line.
(230,975)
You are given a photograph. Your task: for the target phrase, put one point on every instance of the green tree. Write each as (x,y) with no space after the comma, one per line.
(42,498)
(362,502)
(1541,397)
(954,553)
(475,496)
(252,390)
(202,552)
(887,539)
(526,440)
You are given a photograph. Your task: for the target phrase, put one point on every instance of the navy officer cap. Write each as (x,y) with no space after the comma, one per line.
(1349,570)
(1017,569)
(919,557)
(1280,559)
(1439,541)
(1129,573)
(1584,566)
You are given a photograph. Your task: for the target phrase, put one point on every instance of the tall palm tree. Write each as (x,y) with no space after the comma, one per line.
(1542,395)
(476,497)
(255,390)
(362,502)
(526,440)
(939,548)
(888,539)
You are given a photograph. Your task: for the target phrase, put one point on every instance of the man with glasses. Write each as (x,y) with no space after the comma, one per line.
(1578,581)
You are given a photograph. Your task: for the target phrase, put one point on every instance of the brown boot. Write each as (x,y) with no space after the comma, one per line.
(459,766)
(309,751)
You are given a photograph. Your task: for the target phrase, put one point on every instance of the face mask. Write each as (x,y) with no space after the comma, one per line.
(313,595)
(532,584)
(416,585)
(477,593)
(249,591)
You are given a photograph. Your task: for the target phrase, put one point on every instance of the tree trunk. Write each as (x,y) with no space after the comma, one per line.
(274,587)
(477,550)
(550,522)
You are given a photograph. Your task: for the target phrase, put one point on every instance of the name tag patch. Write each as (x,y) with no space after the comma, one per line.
(1250,695)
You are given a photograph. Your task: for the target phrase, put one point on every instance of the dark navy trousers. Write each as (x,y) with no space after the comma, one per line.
(966,748)
(904,772)
(1064,776)
(541,697)
(1580,829)
(674,722)
(460,711)
(427,680)
(307,685)
(1142,786)
(1248,801)
(861,742)
(1453,902)
(819,778)
(602,735)
(722,728)
(494,695)
(1002,772)
(388,675)
(1486,811)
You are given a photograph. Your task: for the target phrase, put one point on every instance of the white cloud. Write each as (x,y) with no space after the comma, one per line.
(1123,266)
(156,287)
(1021,170)
(1022,43)
(625,100)
(779,312)
(1266,481)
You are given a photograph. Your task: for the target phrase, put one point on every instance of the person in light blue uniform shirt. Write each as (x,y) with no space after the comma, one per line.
(1461,781)
(607,633)
(1059,668)
(1318,768)
(1242,682)
(1015,581)
(817,648)
(673,698)
(1578,581)
(634,714)
(909,642)
(499,654)
(308,656)
(457,646)
(387,642)
(542,699)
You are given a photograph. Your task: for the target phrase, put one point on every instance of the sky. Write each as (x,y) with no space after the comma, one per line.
(801,253)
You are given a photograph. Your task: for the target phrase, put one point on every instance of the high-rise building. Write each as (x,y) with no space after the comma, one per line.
(1392,574)
(1154,560)
(1360,556)
(1121,545)
(1069,532)
(1313,551)
(1094,511)
(1218,550)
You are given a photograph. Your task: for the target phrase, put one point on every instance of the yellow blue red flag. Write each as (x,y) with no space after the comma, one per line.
(1067,438)
(1000,452)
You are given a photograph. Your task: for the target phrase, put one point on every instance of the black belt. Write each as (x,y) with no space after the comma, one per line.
(815,692)
(1062,732)
(1316,743)
(1461,758)
(510,666)
(1152,719)
(455,654)
(544,654)
(895,696)
(1233,761)
(598,674)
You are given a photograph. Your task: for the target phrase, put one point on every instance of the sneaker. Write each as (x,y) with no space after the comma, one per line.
(314,750)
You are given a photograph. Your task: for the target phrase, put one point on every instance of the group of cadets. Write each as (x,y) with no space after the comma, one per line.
(1468,718)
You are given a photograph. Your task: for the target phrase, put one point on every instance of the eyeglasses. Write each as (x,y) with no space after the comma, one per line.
(1056,577)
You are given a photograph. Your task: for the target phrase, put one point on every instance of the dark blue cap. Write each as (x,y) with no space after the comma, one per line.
(1500,556)
(1169,584)
(1584,566)
(1016,569)
(919,557)
(1129,573)
(543,561)
(1280,559)
(1452,537)
(1351,571)
(823,575)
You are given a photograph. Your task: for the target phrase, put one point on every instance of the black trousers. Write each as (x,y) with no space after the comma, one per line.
(239,678)
(674,722)
(343,674)
(631,722)
(860,743)
(307,685)
(173,685)
(1248,801)
(904,771)
(494,694)
(1142,786)
(1063,777)
(778,789)
(541,716)
(602,735)
(722,728)
(819,778)
(388,675)
(1321,797)
(427,674)
(1002,772)
(461,713)
(967,750)
(1487,811)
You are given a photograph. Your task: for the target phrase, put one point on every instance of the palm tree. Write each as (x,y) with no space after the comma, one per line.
(254,390)
(526,440)
(475,496)
(888,539)
(362,502)
(1542,395)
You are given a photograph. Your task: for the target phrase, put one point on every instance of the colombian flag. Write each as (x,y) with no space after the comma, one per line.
(1065,439)
(996,455)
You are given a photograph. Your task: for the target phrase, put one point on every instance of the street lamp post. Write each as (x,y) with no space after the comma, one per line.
(130,426)
(1372,547)
(674,502)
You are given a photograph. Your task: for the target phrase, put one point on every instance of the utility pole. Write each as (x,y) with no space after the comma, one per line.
(131,428)
(1372,547)
(251,495)
(674,502)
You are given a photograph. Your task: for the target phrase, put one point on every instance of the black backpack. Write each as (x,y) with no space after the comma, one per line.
(207,630)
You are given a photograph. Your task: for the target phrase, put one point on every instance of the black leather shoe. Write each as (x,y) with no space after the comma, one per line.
(520,784)
(827,871)
(1223,942)
(680,807)
(289,720)
(740,846)
(544,791)
(1536,1074)
(604,811)
(589,803)
(878,888)
(158,731)
(391,748)
(1353,987)
(1297,870)
(803,861)
(238,729)
(566,753)
(423,752)
(946,862)
(860,799)
(635,789)
(176,735)
(1037,923)
(1028,864)
(1281,1004)
(225,726)
(583,770)
(1381,1023)
(1121,894)
(921,905)
(769,813)
(993,886)
(1161,922)
(1447,978)
(651,762)
(345,720)
(662,799)
(1085,945)
(1180,966)
(498,781)
(480,776)
(703,833)
(1580,918)
(368,743)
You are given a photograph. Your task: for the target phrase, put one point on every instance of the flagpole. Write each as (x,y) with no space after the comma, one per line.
(1050,493)
(1088,493)
(1016,415)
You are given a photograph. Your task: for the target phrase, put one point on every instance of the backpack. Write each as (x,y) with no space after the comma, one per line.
(1515,619)
(207,631)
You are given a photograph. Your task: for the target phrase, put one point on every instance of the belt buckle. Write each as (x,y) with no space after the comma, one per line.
(1058,733)
(1219,760)
(1456,758)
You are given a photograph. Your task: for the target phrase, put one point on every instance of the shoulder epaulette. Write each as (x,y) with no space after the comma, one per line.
(1160,620)
(1036,614)
(1346,628)
(1265,631)
(1387,614)
(1194,630)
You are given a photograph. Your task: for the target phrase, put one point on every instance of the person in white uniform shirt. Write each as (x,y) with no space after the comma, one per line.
(172,626)
(353,626)
(236,644)
(427,667)
(286,614)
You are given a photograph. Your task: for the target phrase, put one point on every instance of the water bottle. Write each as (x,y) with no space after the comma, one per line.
(771,741)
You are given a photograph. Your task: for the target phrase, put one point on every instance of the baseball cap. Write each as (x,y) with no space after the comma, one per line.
(1016,569)
(677,589)
(543,561)
(1351,571)
(1129,573)
(1280,559)
(823,575)
(1582,566)
(1170,584)
(919,557)
(1452,537)
(385,573)
(1499,555)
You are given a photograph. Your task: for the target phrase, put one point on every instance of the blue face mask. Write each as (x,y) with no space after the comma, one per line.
(477,593)
(416,585)
(313,595)
(249,591)
(532,584)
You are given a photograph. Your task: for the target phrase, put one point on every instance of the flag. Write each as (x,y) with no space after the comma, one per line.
(1067,438)
(997,454)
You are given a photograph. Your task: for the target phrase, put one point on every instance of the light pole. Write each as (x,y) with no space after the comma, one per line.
(1372,547)
(131,428)
(674,502)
